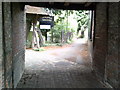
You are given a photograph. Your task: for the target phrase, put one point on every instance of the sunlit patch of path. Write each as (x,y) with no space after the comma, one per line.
(68,67)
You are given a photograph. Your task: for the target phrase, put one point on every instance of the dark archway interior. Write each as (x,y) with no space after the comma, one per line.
(64,5)
(104,50)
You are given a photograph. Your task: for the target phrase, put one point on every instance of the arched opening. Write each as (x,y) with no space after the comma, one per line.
(103,47)
(51,68)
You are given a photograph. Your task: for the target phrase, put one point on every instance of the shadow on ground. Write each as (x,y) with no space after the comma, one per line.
(68,67)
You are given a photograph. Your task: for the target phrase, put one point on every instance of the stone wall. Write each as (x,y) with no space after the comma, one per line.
(18,32)
(100,42)
(7,32)
(119,49)
(1,45)
(12,37)
(113,45)
(106,45)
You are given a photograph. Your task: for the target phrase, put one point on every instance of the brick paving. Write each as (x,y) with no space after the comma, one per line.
(55,69)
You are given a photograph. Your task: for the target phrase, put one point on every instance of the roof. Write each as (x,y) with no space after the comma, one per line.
(64,5)
(35,10)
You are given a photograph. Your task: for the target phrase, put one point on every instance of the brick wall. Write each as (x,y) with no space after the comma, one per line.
(18,41)
(106,54)
(113,45)
(100,42)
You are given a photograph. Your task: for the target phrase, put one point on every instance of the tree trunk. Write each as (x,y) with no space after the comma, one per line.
(33,36)
(37,39)
(52,36)
(40,37)
(46,35)
(62,37)
(28,27)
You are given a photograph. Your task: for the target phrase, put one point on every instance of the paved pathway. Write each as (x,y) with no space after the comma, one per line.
(68,67)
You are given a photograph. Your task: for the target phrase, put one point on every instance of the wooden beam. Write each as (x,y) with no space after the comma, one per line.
(62,5)
(88,4)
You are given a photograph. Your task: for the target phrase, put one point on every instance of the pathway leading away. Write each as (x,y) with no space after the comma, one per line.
(68,67)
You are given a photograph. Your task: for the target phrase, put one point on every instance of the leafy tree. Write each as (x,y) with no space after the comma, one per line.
(83,20)
(61,24)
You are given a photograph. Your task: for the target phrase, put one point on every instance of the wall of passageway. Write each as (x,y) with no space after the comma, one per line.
(18,43)
(106,51)
(106,42)
(1,46)
(13,26)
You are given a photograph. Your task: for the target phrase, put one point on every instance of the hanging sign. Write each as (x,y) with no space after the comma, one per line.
(47,20)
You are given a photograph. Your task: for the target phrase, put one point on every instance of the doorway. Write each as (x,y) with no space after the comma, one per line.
(64,66)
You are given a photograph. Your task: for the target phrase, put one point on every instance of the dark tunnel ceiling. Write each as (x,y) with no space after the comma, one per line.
(63,5)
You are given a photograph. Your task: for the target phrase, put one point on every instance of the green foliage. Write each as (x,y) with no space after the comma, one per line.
(61,24)
(52,44)
(82,18)
(83,21)
(40,49)
(69,41)
(57,12)
(56,33)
